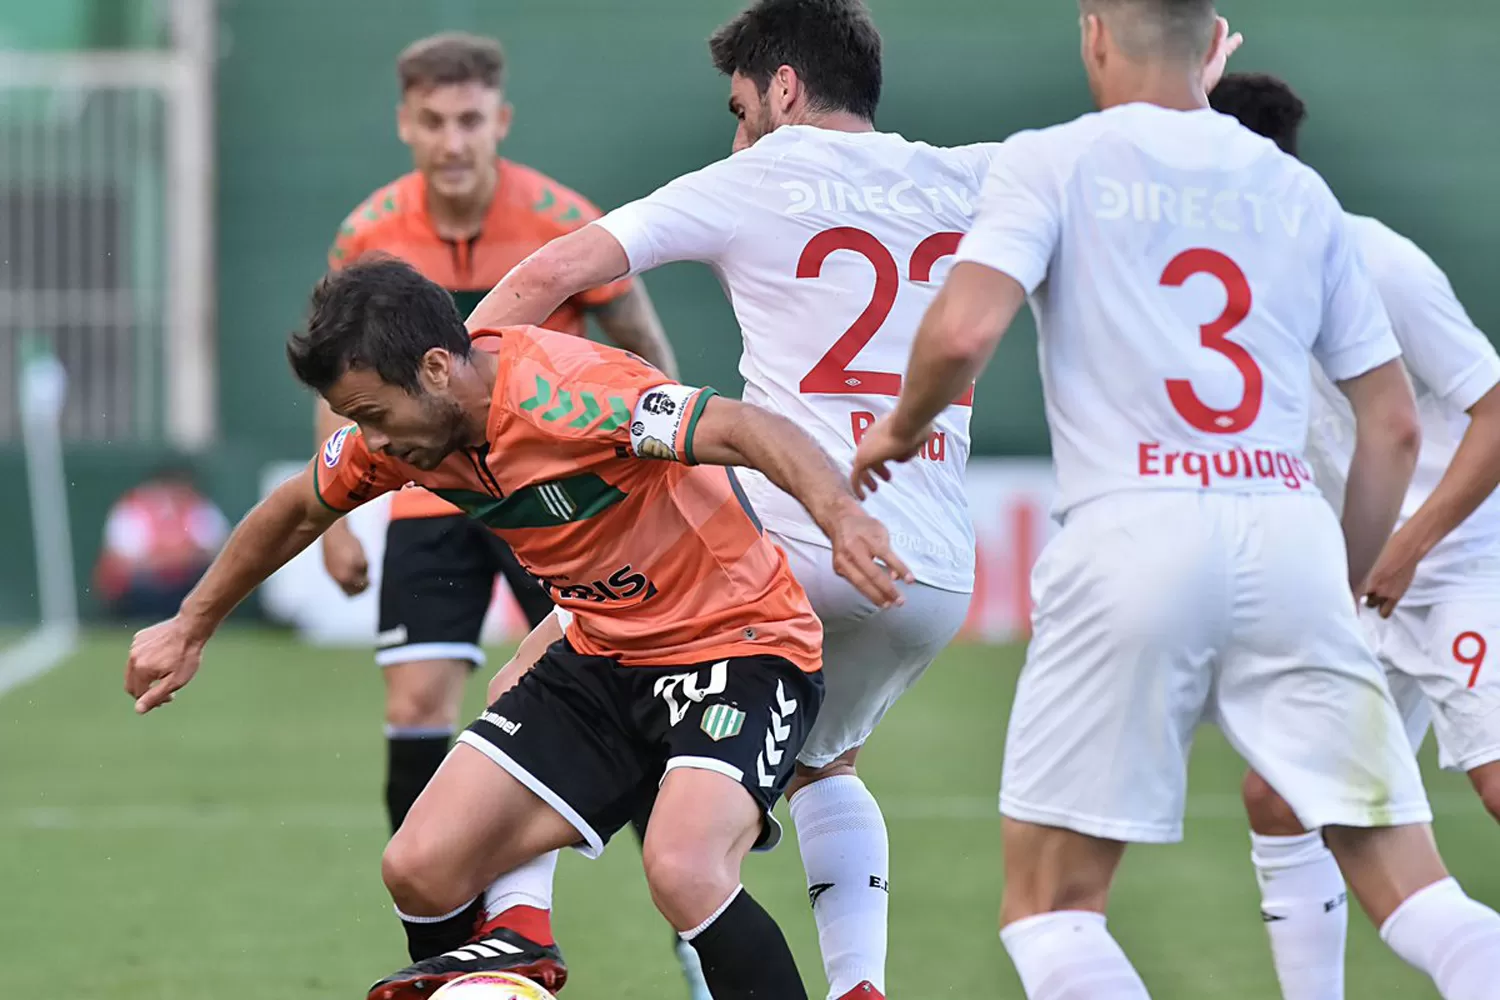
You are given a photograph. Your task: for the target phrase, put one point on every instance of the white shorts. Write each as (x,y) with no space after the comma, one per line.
(1157,611)
(1437,661)
(870,656)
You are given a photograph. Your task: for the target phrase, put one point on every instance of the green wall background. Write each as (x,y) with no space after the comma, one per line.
(614,97)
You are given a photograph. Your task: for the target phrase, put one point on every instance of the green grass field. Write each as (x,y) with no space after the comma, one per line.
(227,847)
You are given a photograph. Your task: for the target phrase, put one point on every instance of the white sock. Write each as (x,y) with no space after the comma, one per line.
(846,853)
(1070,956)
(1449,936)
(528,885)
(1306,911)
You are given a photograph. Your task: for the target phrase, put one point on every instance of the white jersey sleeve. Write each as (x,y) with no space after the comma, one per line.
(1356,335)
(1443,348)
(1452,365)
(687,219)
(1018,224)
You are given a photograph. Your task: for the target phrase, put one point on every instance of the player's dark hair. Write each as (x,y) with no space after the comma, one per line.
(1264,104)
(378,314)
(450,58)
(832,44)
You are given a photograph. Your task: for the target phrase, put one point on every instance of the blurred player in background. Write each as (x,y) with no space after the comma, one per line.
(1182,271)
(692,665)
(830,238)
(1436,585)
(463,217)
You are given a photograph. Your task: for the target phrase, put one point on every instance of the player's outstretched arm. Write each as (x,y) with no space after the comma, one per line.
(1471,477)
(1387,437)
(164,657)
(958,335)
(534,288)
(735,433)
(630,322)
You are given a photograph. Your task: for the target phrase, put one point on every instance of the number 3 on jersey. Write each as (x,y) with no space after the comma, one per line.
(1215,337)
(832,373)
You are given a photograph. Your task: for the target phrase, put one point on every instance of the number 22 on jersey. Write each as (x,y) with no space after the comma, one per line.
(832,373)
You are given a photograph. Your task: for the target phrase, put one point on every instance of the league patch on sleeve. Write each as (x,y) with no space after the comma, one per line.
(333,448)
(661,426)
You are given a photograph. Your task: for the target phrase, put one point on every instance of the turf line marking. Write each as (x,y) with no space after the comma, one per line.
(44,649)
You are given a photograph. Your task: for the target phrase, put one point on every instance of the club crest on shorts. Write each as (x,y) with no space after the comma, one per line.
(721,721)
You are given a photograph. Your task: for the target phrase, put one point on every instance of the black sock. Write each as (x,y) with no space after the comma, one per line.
(427,940)
(745,956)
(411,761)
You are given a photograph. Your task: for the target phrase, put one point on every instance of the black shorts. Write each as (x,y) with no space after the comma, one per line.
(436,584)
(593,738)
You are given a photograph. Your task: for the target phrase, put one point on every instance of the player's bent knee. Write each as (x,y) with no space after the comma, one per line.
(419,877)
(425,694)
(687,881)
(1269,813)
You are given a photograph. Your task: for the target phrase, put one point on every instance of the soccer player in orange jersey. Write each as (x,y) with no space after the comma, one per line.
(462,218)
(693,662)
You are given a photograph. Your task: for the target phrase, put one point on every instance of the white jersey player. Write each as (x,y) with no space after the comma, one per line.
(831,240)
(1436,586)
(1183,271)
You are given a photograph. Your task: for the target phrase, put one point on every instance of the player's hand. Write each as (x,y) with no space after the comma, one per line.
(344,558)
(881,445)
(162,659)
(1392,575)
(1225,45)
(862,555)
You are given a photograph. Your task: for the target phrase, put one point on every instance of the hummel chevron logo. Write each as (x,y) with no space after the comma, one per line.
(566,403)
(488,948)
(778,734)
(817,889)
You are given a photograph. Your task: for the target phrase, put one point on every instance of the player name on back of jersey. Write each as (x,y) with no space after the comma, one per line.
(1230,466)
(1191,207)
(901,198)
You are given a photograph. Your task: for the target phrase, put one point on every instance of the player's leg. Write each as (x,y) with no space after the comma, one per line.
(870,658)
(434,589)
(1131,603)
(1304,904)
(561,737)
(1304,700)
(521,899)
(731,731)
(1462,686)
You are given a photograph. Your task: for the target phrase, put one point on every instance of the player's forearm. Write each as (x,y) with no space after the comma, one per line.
(630,321)
(1471,477)
(1379,476)
(536,287)
(956,339)
(280,526)
(787,456)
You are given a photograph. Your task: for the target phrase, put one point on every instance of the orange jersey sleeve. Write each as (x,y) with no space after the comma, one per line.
(574,389)
(347,474)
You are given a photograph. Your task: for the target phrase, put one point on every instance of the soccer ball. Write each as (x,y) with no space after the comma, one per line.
(492,986)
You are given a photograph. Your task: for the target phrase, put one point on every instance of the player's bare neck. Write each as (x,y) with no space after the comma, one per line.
(459,219)
(1173,89)
(474,390)
(836,121)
